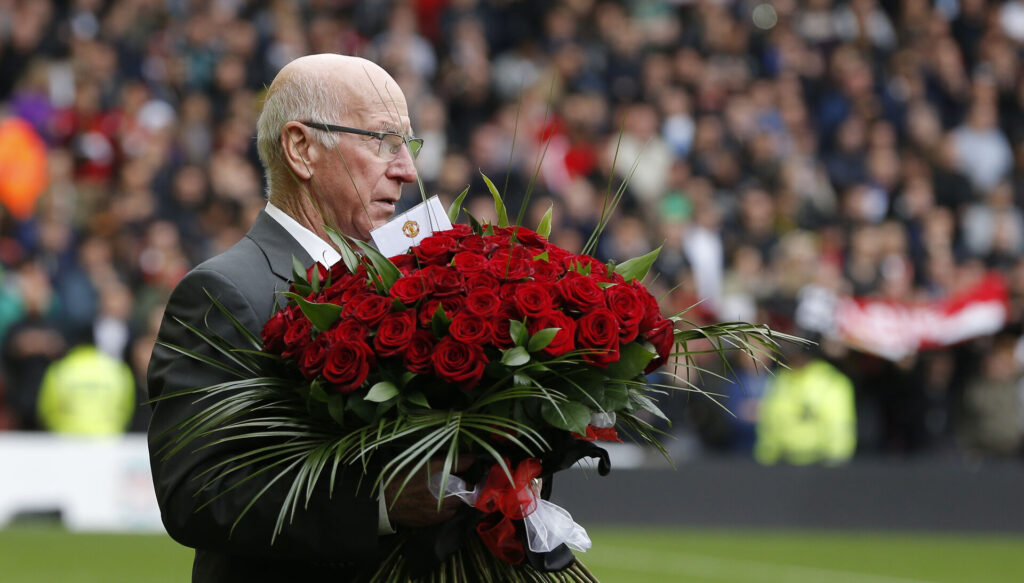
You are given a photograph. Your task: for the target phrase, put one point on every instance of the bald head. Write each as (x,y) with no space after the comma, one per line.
(327,88)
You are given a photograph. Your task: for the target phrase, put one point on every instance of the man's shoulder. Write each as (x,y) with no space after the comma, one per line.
(243,268)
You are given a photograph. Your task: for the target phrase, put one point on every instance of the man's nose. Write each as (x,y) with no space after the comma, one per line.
(402,167)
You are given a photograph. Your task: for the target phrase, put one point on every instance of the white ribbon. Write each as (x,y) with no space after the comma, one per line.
(548,526)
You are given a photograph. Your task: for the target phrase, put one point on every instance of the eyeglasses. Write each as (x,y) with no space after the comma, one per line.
(390,142)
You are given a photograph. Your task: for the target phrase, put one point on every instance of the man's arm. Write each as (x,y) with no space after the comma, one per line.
(338,528)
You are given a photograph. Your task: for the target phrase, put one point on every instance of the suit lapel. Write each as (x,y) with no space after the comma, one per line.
(277,245)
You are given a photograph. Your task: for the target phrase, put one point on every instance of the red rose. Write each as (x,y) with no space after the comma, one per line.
(511,263)
(662,336)
(564,340)
(469,262)
(425,313)
(395,331)
(338,287)
(313,357)
(482,281)
(580,292)
(453,304)
(347,365)
(418,352)
(470,328)
(274,330)
(557,255)
(652,311)
(533,299)
(474,243)
(458,362)
(406,262)
(349,329)
(605,276)
(444,281)
(493,243)
(297,336)
(628,309)
(597,333)
(547,271)
(352,294)
(459,231)
(502,337)
(583,263)
(528,237)
(410,289)
(339,271)
(482,302)
(435,249)
(321,272)
(371,309)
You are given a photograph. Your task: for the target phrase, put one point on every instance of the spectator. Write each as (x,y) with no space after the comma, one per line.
(87,393)
(807,414)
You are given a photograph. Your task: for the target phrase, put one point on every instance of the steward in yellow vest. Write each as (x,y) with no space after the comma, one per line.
(87,393)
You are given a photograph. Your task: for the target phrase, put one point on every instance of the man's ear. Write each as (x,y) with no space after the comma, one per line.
(299,149)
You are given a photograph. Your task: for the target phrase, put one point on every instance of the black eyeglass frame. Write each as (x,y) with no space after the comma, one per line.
(414,144)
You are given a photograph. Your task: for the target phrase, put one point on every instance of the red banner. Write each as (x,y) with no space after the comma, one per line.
(894,330)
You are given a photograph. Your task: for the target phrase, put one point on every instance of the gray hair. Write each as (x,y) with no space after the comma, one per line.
(298,97)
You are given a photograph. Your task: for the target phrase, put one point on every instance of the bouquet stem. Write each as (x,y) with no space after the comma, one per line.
(474,563)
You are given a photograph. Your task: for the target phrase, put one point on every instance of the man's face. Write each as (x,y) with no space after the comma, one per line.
(360,186)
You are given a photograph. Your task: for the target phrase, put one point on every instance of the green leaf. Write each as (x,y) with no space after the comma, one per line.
(317,392)
(499,205)
(298,271)
(314,283)
(453,209)
(650,406)
(348,256)
(515,356)
(439,322)
(488,229)
(570,416)
(387,271)
(615,398)
(633,359)
(523,380)
(637,267)
(517,330)
(299,277)
(407,376)
(417,398)
(544,228)
(336,407)
(323,316)
(541,257)
(474,224)
(365,410)
(382,392)
(542,338)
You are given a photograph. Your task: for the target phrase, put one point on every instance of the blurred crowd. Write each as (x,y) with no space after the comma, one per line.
(870,147)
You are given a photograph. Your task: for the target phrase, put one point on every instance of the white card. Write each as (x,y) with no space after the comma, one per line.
(409,228)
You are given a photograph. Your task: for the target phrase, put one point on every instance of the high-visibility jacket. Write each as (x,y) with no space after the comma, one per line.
(807,416)
(87,392)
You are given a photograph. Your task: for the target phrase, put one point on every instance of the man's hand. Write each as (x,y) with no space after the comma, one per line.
(416,506)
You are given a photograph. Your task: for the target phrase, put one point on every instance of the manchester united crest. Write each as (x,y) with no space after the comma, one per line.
(411,229)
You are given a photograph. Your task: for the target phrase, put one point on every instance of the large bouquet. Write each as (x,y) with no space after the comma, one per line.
(483,339)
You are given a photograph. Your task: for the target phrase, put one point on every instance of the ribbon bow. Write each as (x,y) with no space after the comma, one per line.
(503,502)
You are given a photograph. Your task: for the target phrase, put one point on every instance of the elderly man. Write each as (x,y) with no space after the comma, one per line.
(334,138)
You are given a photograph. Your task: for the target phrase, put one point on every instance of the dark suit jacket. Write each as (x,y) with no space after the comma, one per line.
(322,542)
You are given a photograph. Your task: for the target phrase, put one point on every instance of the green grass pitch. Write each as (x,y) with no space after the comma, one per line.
(620,555)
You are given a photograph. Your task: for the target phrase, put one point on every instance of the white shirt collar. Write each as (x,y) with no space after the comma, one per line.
(317,248)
